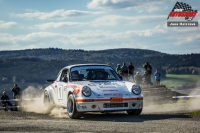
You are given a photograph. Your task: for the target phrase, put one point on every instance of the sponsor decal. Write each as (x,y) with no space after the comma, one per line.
(182,10)
(76,88)
(113,95)
(116,99)
(106,86)
(110,90)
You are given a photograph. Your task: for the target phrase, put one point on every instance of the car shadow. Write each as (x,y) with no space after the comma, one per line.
(123,117)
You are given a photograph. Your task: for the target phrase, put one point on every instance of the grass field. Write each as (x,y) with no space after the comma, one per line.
(180,79)
(195,113)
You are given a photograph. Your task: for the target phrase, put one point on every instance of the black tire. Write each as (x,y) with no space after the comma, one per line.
(47,103)
(71,108)
(134,112)
(5,109)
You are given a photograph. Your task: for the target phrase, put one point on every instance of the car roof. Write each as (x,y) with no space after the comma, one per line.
(91,64)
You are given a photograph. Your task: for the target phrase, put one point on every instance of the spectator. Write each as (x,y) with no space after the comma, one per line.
(157,77)
(148,69)
(118,68)
(5,100)
(131,70)
(145,78)
(138,78)
(16,93)
(124,71)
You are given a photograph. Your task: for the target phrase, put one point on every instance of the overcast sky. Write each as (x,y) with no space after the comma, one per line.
(95,25)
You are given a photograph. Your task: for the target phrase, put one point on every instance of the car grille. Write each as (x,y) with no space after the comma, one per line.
(115,105)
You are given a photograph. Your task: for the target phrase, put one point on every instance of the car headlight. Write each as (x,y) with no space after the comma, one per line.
(86,91)
(136,89)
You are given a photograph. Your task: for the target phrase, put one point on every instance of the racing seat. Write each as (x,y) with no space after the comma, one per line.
(99,75)
(80,77)
(105,75)
(74,75)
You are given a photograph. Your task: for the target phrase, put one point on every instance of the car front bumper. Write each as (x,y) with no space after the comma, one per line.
(101,105)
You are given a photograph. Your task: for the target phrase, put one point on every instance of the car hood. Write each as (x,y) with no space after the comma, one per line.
(103,89)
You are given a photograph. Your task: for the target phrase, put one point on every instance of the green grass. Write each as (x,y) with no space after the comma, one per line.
(195,113)
(180,79)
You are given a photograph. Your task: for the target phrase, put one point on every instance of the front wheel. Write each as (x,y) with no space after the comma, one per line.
(134,112)
(71,108)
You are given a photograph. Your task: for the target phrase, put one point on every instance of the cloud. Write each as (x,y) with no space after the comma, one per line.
(56,25)
(57,14)
(186,38)
(113,20)
(89,39)
(81,38)
(107,20)
(148,32)
(160,37)
(5,25)
(138,5)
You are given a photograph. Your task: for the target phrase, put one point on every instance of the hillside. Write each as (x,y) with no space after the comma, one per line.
(61,54)
(34,66)
(110,56)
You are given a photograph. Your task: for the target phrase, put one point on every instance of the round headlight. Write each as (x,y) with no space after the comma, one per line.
(136,89)
(86,91)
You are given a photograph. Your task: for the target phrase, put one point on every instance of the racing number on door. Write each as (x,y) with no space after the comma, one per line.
(60,92)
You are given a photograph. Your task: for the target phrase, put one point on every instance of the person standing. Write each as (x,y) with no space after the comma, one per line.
(157,77)
(131,70)
(5,101)
(16,93)
(118,68)
(138,78)
(145,78)
(124,70)
(148,69)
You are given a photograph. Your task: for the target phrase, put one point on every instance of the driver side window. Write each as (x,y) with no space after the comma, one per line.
(64,76)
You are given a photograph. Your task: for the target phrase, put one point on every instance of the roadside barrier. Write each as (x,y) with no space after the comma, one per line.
(30,99)
(186,97)
(17,100)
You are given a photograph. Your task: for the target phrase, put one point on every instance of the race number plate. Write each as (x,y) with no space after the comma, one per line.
(116,99)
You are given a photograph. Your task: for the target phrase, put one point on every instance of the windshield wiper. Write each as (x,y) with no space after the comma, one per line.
(99,80)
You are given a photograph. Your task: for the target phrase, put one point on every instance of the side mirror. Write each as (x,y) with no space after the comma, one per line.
(120,77)
(50,81)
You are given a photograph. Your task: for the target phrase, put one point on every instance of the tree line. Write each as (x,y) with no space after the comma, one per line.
(34,66)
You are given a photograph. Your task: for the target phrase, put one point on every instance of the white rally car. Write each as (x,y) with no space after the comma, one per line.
(92,88)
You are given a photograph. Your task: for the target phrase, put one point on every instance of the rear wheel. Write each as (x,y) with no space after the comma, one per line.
(134,112)
(47,104)
(71,108)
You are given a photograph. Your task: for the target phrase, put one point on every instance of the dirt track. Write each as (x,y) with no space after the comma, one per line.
(96,122)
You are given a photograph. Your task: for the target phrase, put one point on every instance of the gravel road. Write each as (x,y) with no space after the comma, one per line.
(17,121)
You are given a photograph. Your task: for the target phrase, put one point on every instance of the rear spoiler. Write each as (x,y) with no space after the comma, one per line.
(50,81)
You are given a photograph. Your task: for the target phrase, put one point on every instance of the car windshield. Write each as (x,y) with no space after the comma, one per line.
(84,73)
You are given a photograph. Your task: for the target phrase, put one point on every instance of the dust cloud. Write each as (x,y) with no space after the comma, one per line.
(150,106)
(181,105)
(33,102)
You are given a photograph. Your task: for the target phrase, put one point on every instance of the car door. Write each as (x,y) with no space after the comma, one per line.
(61,91)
